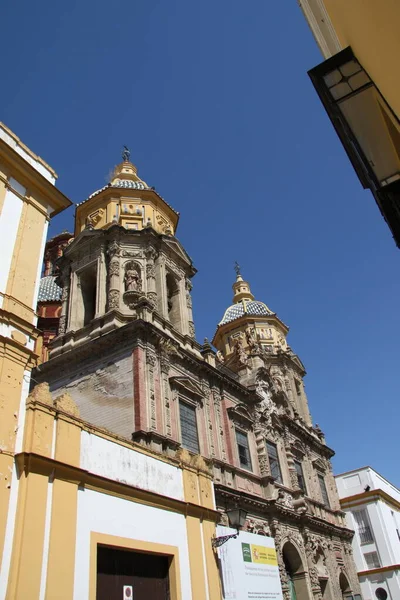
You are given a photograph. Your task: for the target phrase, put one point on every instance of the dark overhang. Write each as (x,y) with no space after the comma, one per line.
(367,127)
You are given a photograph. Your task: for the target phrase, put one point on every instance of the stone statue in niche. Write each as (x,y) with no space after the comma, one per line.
(220,357)
(251,340)
(132,280)
(239,350)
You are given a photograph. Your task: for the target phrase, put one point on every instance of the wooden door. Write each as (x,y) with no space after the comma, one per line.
(146,573)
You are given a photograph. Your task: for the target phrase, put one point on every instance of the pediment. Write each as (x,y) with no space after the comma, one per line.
(178,249)
(299,448)
(188,385)
(319,464)
(241,415)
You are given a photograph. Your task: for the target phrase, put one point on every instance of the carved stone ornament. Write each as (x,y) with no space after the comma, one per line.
(62,324)
(192,331)
(259,527)
(220,357)
(113,248)
(113,299)
(150,253)
(113,269)
(150,271)
(131,254)
(189,303)
(239,351)
(151,358)
(165,364)
(285,499)
(152,296)
(168,347)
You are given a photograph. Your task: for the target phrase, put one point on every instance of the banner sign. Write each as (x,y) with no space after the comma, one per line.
(249,567)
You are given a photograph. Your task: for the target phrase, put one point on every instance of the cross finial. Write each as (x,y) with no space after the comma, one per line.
(237,268)
(126,154)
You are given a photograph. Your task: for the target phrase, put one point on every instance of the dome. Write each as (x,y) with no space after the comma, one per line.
(49,291)
(253,308)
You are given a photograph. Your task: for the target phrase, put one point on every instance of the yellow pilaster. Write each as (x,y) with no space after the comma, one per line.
(61,563)
(26,564)
(214,585)
(196,558)
(27,255)
(12,364)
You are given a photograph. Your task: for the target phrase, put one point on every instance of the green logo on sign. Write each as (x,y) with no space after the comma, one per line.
(246,551)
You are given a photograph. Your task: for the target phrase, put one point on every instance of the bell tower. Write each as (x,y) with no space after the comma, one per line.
(251,338)
(125,263)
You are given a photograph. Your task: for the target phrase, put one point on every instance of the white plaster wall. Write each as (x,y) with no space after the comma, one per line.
(357,552)
(379,482)
(114,516)
(9,222)
(108,459)
(388,581)
(353,483)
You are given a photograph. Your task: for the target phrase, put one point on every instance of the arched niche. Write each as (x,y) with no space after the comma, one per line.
(345,586)
(296,576)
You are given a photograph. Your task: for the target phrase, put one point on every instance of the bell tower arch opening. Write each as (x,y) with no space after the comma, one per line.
(88,285)
(173,301)
(295,573)
(345,587)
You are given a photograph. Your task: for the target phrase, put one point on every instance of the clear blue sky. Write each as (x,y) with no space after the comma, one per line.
(214,101)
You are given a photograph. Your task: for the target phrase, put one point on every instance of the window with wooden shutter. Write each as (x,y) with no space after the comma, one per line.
(189,436)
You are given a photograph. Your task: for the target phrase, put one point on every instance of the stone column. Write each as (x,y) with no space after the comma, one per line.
(101,284)
(189,307)
(151,254)
(165,366)
(65,279)
(114,284)
(161,286)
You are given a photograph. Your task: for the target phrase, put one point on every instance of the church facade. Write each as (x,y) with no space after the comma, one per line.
(233,421)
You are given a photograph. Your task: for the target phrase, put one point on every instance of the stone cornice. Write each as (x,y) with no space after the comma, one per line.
(32,179)
(371,496)
(29,462)
(273,509)
(306,435)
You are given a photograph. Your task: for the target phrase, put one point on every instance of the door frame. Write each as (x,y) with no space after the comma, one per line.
(120,543)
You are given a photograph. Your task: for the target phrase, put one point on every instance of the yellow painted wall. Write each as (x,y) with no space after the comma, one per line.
(371,28)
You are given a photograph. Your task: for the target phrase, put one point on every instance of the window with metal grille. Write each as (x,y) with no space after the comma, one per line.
(274,465)
(363,526)
(372,560)
(324,491)
(243,450)
(190,439)
(300,476)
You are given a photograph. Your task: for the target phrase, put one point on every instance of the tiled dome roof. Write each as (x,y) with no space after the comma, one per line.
(252,308)
(49,291)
